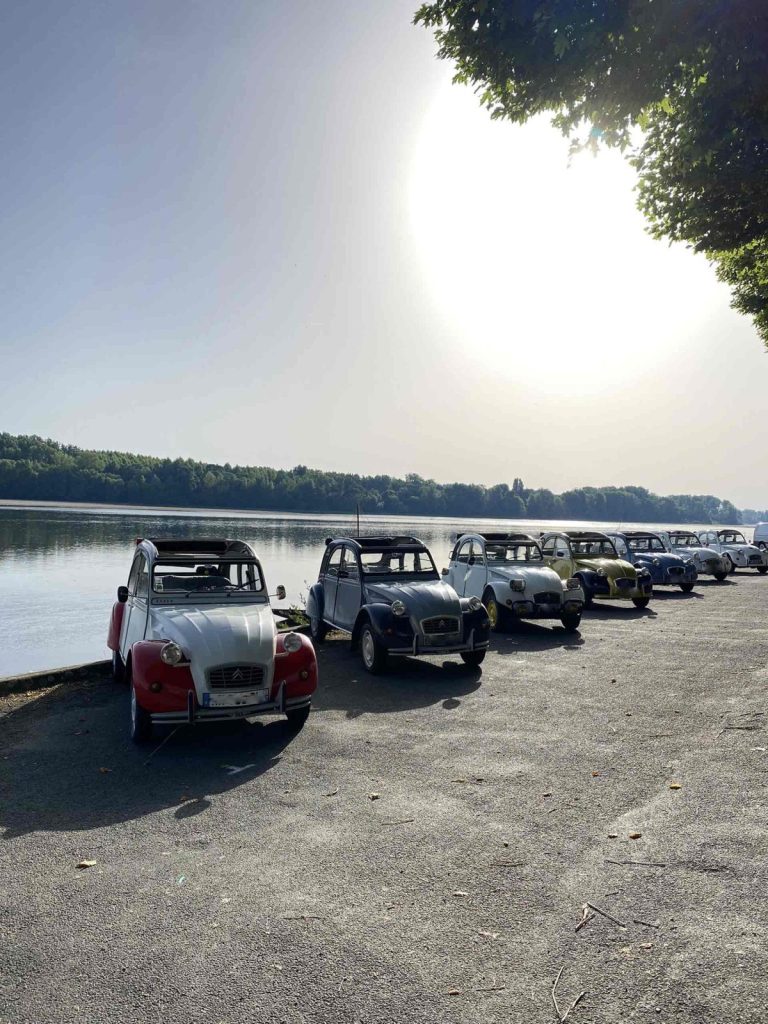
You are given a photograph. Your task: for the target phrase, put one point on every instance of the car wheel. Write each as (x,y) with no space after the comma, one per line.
(729,564)
(640,602)
(570,621)
(720,576)
(297,718)
(373,654)
(141,722)
(588,602)
(762,569)
(473,658)
(118,667)
(687,587)
(496,614)
(317,629)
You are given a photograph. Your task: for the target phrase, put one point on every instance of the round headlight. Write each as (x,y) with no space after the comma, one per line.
(518,585)
(656,561)
(398,608)
(292,642)
(171,653)
(601,572)
(475,604)
(572,584)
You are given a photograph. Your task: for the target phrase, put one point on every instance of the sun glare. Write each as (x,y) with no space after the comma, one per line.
(540,265)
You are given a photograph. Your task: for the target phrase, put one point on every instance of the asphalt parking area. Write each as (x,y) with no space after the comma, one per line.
(422,851)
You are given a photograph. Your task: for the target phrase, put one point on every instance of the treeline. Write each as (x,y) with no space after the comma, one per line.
(32,468)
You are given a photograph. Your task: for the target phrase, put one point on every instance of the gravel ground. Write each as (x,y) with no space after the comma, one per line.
(422,851)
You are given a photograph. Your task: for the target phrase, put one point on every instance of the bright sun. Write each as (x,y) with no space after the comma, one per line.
(544,265)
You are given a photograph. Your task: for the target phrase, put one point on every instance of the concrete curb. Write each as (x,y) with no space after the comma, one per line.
(53,677)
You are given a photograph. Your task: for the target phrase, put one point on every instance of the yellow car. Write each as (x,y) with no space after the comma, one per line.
(591,558)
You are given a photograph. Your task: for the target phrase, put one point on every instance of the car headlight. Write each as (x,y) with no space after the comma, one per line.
(601,572)
(657,561)
(398,608)
(690,561)
(292,642)
(518,585)
(171,653)
(475,604)
(572,584)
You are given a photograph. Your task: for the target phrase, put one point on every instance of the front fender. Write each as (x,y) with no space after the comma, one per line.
(115,625)
(147,668)
(315,602)
(384,623)
(297,669)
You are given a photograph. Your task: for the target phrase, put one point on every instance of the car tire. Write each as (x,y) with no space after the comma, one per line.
(687,587)
(640,602)
(720,576)
(374,655)
(762,569)
(317,629)
(297,718)
(118,667)
(141,722)
(571,621)
(473,658)
(729,564)
(496,612)
(588,600)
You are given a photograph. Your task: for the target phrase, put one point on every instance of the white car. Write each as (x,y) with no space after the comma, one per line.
(736,551)
(194,636)
(685,542)
(508,573)
(760,538)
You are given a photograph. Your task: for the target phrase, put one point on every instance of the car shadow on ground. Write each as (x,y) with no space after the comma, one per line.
(676,595)
(619,610)
(406,683)
(69,765)
(530,636)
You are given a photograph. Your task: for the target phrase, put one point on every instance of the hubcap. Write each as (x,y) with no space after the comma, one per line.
(493,613)
(368,649)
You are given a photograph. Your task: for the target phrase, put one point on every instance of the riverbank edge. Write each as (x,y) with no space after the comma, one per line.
(52,677)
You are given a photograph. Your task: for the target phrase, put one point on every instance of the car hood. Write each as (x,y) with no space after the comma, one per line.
(537,577)
(213,635)
(703,554)
(421,599)
(667,561)
(613,567)
(743,549)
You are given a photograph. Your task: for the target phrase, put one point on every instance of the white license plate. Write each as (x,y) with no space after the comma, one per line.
(235,700)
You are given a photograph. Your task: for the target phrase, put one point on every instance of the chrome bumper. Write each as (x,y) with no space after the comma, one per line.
(416,648)
(194,713)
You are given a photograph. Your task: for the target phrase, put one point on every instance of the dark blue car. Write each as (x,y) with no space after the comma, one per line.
(646,550)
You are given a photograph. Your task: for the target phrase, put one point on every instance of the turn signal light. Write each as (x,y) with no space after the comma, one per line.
(303,674)
(155,687)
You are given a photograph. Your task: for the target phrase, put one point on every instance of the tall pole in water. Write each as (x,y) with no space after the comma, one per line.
(358,519)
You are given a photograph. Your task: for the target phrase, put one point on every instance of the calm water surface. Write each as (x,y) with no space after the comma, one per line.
(61,565)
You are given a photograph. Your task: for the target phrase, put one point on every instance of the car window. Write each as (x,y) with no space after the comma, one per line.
(621,547)
(187,577)
(477,553)
(548,547)
(134,575)
(350,566)
(463,553)
(333,564)
(142,583)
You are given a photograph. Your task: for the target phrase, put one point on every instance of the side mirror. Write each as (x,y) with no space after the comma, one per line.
(280,594)
(443,572)
(122,594)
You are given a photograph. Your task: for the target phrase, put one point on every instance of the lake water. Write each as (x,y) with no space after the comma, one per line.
(60,565)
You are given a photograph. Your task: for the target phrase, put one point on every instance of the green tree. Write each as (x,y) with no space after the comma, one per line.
(690,73)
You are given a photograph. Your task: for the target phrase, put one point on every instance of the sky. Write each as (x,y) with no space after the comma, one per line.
(277,234)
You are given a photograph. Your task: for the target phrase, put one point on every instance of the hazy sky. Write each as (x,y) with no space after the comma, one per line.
(275,234)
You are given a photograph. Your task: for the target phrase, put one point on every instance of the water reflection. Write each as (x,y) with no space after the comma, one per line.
(60,566)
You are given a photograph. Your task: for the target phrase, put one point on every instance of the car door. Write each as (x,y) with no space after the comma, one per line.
(477,571)
(460,567)
(136,607)
(330,582)
(348,593)
(557,552)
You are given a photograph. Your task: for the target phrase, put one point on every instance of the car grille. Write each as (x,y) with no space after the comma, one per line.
(625,583)
(436,627)
(755,559)
(713,564)
(235,677)
(547,597)
(676,570)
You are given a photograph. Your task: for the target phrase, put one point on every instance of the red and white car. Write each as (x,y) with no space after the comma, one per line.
(194,635)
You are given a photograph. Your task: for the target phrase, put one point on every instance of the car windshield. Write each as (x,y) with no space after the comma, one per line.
(646,544)
(389,562)
(188,577)
(593,548)
(732,537)
(685,540)
(512,551)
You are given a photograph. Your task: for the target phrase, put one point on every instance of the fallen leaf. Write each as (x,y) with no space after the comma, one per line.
(675,785)
(459,892)
(646,945)
(332,792)
(373,796)
(595,775)
(613,835)
(86,864)
(613,680)
(635,835)
(453,992)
